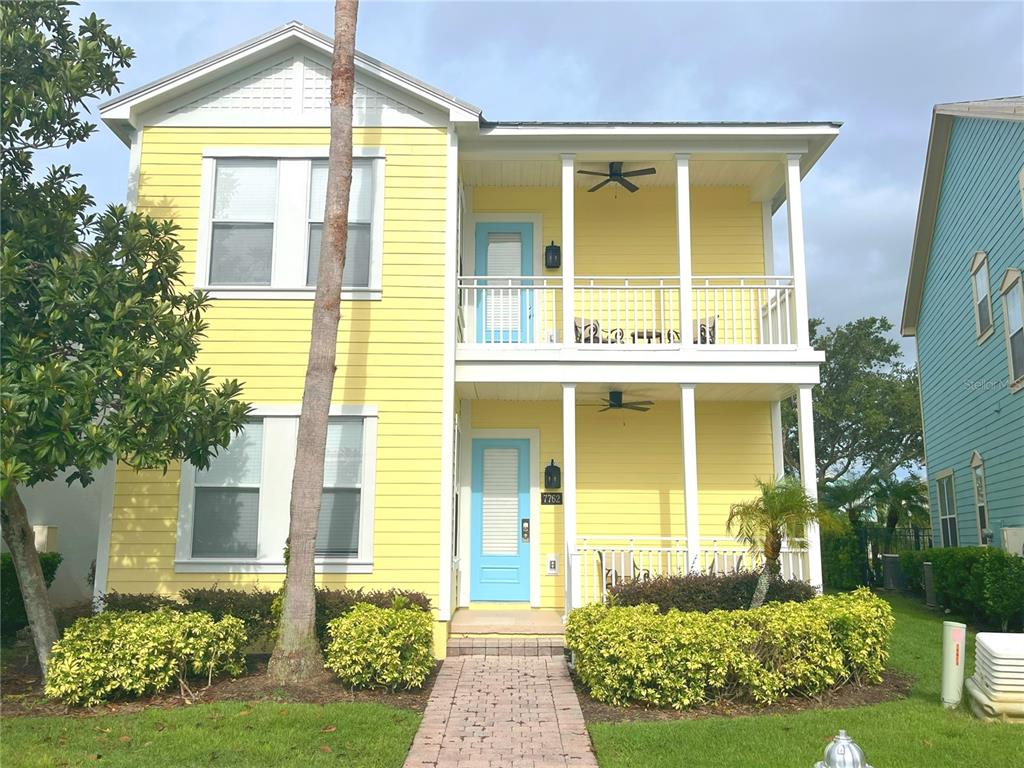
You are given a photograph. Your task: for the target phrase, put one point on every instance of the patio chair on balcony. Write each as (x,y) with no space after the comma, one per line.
(590,332)
(703,332)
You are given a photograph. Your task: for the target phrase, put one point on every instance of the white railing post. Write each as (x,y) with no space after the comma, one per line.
(688,425)
(809,476)
(572,587)
(568,249)
(685,260)
(797,261)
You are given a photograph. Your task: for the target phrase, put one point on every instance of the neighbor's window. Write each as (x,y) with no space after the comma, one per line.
(982,295)
(338,532)
(980,501)
(1013,314)
(226,501)
(947,511)
(242,231)
(360,222)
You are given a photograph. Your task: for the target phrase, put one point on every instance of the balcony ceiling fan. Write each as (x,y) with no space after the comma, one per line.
(614,403)
(615,174)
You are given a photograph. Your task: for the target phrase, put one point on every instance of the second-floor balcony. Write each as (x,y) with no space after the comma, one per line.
(623,312)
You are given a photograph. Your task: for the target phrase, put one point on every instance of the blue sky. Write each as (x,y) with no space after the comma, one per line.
(877,67)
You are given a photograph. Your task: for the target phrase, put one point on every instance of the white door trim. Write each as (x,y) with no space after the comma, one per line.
(465,505)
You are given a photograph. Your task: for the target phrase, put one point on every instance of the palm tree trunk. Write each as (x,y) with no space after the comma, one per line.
(20,540)
(761,592)
(297,657)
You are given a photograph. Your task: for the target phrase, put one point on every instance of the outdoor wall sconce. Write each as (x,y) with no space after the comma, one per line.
(552,476)
(552,256)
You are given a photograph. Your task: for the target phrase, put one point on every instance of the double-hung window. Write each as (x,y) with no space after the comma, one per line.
(226,499)
(1013,317)
(263,219)
(982,296)
(358,253)
(233,516)
(947,510)
(980,497)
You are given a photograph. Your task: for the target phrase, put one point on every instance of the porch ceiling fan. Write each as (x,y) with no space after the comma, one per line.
(616,174)
(614,403)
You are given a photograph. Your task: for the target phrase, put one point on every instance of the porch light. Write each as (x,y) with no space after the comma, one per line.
(552,476)
(552,256)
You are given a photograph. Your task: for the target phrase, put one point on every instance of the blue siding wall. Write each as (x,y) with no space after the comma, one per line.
(965,396)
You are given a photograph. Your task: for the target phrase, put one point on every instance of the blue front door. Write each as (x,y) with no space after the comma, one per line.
(500,506)
(504,307)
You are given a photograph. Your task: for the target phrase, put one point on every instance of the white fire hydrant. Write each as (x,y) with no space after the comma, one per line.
(843,753)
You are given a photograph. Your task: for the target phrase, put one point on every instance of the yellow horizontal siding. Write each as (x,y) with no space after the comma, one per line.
(389,355)
(629,468)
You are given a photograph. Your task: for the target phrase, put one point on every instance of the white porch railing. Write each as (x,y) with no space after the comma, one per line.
(510,310)
(622,312)
(601,562)
(744,310)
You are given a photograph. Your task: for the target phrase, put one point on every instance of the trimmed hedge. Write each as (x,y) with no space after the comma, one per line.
(843,561)
(260,609)
(683,659)
(979,583)
(373,647)
(705,592)
(12,609)
(119,654)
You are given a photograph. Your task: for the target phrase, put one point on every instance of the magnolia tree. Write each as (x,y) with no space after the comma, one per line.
(98,333)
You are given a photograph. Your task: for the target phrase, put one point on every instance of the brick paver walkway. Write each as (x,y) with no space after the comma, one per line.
(502,712)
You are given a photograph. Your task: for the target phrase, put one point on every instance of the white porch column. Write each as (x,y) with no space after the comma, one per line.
(797,262)
(778,439)
(568,248)
(688,423)
(572,586)
(685,258)
(809,476)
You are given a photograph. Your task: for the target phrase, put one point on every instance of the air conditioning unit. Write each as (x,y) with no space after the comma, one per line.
(1013,540)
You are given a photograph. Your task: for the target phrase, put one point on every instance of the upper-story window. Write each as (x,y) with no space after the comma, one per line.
(1013,316)
(982,296)
(263,224)
(947,509)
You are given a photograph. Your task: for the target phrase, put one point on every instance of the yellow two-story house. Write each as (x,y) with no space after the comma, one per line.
(562,351)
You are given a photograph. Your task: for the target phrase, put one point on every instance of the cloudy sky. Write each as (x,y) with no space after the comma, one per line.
(877,67)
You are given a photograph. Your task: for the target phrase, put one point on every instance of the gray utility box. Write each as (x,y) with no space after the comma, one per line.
(928,577)
(892,574)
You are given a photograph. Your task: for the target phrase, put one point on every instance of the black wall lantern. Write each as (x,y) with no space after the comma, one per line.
(552,476)
(552,256)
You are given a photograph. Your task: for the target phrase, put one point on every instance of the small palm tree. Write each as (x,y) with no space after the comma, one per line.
(783,509)
(901,503)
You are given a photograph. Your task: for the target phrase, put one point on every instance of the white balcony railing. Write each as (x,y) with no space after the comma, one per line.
(604,561)
(623,312)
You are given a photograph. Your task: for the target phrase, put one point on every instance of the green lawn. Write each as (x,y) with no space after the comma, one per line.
(908,733)
(221,734)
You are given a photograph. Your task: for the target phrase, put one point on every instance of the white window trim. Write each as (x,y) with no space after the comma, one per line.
(978,263)
(939,477)
(1012,280)
(278,460)
(286,266)
(977,462)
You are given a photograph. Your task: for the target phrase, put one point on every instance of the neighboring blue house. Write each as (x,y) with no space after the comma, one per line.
(965,306)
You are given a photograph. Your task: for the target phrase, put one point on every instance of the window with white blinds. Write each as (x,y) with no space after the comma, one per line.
(263,224)
(233,516)
(360,222)
(244,212)
(338,532)
(227,499)
(504,259)
(500,501)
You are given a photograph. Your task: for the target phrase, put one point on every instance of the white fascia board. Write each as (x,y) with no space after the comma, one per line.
(734,354)
(698,130)
(625,373)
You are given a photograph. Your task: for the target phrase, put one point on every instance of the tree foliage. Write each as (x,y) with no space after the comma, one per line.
(867,414)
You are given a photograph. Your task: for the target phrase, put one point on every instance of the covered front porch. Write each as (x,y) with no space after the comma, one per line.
(564,490)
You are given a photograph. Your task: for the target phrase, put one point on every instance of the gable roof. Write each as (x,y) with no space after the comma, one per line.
(120,112)
(943,115)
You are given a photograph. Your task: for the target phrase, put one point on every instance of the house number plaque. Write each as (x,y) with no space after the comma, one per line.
(551,499)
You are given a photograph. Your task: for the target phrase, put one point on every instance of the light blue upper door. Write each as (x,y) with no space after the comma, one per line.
(500,517)
(504,308)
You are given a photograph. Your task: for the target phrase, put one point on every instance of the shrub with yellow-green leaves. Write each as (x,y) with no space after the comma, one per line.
(115,654)
(373,647)
(684,659)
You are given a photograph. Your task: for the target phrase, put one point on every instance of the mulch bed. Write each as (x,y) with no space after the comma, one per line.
(894,685)
(22,692)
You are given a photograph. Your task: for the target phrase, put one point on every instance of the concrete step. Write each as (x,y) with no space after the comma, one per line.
(506,646)
(512,622)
